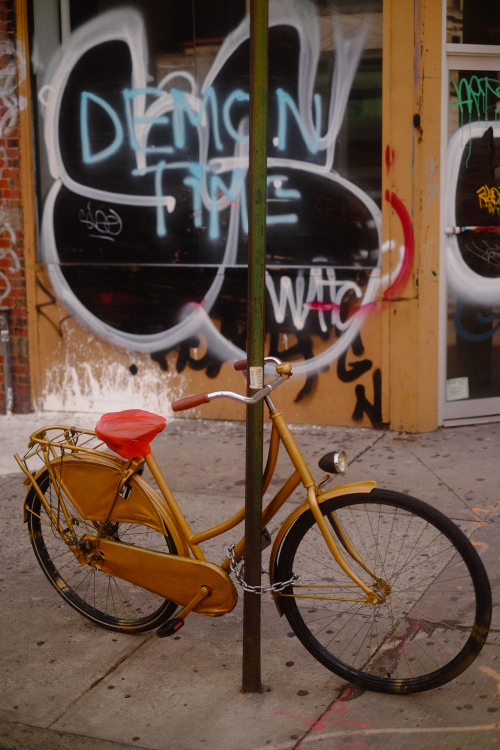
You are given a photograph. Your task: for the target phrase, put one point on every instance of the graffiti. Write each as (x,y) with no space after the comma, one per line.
(186,157)
(101,223)
(389,158)
(12,268)
(489,198)
(9,260)
(338,715)
(473,258)
(52,302)
(356,369)
(403,272)
(320,281)
(473,249)
(12,72)
(483,324)
(491,673)
(484,249)
(182,108)
(477,97)
(363,405)
(353,372)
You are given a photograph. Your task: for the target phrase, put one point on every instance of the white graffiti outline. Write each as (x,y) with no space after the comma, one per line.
(11,75)
(468,284)
(15,267)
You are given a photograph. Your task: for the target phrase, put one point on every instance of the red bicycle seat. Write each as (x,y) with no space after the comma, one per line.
(130,432)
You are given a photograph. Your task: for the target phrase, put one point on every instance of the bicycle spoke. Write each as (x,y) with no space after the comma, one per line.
(424,628)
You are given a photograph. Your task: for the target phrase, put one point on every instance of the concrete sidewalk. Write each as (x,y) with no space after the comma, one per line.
(65,683)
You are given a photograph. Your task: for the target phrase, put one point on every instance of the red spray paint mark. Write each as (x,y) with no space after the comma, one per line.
(400,282)
(389,158)
(394,291)
(336,715)
(329,306)
(492,673)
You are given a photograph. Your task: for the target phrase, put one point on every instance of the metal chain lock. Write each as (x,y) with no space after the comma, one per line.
(278,586)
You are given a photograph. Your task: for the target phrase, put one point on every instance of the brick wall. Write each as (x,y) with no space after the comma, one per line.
(14,361)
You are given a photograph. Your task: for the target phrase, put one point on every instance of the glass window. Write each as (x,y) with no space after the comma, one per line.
(473,22)
(473,236)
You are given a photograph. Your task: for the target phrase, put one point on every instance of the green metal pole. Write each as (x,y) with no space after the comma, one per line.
(257,185)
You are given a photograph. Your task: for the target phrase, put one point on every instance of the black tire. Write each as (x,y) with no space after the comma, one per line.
(437,613)
(103,599)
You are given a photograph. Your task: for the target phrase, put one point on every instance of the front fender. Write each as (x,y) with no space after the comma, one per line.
(345,489)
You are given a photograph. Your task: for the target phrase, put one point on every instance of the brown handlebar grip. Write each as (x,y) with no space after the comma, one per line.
(190,401)
(241,364)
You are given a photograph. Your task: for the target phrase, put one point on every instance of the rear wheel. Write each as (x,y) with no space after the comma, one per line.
(436,611)
(104,599)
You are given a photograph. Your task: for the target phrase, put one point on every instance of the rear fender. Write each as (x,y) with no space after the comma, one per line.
(32,478)
(91,483)
(345,489)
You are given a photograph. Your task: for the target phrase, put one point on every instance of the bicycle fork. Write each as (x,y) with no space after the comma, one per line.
(374,595)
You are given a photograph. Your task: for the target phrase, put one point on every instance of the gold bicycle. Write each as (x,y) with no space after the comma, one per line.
(381,588)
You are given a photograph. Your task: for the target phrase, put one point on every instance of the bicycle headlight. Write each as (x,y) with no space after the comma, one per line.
(334,463)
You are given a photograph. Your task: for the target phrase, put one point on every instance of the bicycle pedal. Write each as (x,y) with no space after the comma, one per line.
(170,627)
(265,539)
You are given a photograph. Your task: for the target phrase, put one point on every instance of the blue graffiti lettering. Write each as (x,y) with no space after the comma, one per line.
(194,182)
(235,192)
(182,107)
(484,319)
(285,104)
(105,153)
(143,122)
(158,170)
(172,111)
(237,96)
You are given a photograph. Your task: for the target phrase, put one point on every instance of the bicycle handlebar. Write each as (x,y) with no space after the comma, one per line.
(189,402)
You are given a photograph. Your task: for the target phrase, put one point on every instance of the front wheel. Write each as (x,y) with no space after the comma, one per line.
(436,608)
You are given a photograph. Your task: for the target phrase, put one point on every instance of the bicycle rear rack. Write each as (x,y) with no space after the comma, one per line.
(52,443)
